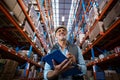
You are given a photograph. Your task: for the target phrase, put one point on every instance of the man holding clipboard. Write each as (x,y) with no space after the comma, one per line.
(74,60)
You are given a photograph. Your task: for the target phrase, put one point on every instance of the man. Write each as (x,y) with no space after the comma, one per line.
(71,51)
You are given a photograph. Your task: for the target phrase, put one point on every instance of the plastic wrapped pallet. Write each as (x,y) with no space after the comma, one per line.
(38,44)
(93,15)
(39,28)
(96,31)
(28,29)
(33,15)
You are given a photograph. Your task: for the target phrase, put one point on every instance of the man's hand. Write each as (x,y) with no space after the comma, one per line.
(62,66)
(71,57)
(59,68)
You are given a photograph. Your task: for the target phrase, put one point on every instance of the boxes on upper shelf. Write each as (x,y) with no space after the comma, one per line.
(85,45)
(102,4)
(33,15)
(98,29)
(38,44)
(28,29)
(16,9)
(93,15)
(111,16)
(81,37)
(10,5)
(21,17)
(39,28)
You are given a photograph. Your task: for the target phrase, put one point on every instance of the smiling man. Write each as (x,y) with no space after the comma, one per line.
(72,52)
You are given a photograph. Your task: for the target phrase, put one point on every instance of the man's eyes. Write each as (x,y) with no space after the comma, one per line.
(61,30)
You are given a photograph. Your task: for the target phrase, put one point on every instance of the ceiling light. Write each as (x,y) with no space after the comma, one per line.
(63,18)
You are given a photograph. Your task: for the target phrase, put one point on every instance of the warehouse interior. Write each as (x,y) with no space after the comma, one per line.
(27,35)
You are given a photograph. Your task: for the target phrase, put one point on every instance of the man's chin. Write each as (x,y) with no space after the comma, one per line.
(63,39)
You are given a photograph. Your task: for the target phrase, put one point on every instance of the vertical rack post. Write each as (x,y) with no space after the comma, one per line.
(94,66)
(26,71)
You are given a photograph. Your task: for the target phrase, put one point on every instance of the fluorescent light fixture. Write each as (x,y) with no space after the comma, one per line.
(63,18)
(73,10)
(55,6)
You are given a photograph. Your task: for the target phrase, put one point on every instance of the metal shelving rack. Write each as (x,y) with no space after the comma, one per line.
(12,53)
(103,36)
(17,56)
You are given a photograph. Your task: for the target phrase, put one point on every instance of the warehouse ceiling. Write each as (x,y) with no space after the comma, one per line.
(64,12)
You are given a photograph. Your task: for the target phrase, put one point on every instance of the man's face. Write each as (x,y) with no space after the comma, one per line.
(61,34)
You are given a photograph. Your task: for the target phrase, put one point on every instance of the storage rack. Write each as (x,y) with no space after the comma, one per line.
(11,53)
(104,41)
(88,52)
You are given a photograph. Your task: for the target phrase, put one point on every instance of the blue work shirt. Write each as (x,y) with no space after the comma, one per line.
(81,64)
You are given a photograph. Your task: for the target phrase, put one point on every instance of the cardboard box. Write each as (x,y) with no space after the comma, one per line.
(10,67)
(111,17)
(96,31)
(10,4)
(21,17)
(111,75)
(17,10)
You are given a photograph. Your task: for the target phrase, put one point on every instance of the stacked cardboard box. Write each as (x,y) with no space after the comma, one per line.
(9,69)
(16,9)
(96,31)
(111,16)
(10,5)
(111,75)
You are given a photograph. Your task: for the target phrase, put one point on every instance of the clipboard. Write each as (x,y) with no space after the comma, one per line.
(59,57)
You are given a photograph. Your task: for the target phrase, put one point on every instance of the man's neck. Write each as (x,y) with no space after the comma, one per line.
(62,44)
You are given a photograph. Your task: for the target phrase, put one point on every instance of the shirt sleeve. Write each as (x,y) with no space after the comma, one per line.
(47,68)
(81,62)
